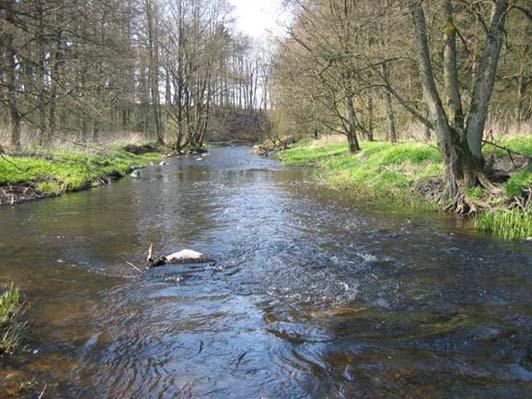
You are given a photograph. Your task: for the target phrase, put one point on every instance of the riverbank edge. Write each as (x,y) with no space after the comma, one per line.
(40,174)
(411,175)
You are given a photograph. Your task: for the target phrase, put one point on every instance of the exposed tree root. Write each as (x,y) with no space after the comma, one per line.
(488,185)
(493,199)
(458,204)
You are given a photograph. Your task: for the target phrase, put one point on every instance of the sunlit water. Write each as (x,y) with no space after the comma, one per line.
(315,294)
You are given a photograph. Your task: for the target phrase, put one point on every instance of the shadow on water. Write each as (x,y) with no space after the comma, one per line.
(315,294)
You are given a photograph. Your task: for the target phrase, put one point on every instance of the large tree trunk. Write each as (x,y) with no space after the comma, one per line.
(444,133)
(485,79)
(450,73)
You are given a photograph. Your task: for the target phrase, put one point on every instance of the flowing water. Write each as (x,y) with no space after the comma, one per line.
(315,294)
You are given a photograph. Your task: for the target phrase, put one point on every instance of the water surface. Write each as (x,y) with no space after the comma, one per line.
(315,294)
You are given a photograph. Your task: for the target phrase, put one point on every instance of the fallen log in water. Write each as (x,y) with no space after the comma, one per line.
(183,257)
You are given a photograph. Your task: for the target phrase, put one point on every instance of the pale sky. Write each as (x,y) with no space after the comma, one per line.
(257,18)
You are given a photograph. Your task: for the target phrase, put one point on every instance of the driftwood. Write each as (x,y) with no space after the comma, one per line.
(183,257)
(186,256)
(276,145)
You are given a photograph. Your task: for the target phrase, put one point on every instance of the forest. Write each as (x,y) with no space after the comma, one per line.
(100,70)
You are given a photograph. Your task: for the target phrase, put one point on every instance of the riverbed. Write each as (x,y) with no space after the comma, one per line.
(315,293)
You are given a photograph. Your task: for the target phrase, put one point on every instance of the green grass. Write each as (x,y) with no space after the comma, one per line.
(303,155)
(379,168)
(521,144)
(506,224)
(475,192)
(55,172)
(11,323)
(518,182)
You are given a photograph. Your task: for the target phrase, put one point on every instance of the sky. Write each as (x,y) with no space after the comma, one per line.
(260,18)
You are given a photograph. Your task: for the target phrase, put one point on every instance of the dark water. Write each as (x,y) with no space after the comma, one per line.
(314,295)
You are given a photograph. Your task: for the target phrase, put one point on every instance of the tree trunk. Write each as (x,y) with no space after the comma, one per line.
(352,126)
(450,73)
(153,54)
(426,129)
(390,117)
(53,96)
(14,113)
(315,128)
(370,118)
(444,133)
(521,93)
(84,129)
(462,156)
(485,79)
(41,73)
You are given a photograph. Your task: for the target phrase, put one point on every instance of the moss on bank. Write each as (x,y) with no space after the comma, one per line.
(55,172)
(383,169)
(11,323)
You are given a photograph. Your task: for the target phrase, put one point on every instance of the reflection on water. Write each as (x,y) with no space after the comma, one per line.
(314,294)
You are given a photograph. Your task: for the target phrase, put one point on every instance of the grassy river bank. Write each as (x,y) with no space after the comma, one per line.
(48,173)
(411,174)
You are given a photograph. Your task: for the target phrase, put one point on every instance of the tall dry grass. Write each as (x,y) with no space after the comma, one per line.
(72,141)
(495,128)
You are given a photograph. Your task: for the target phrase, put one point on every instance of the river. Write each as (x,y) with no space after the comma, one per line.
(315,294)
